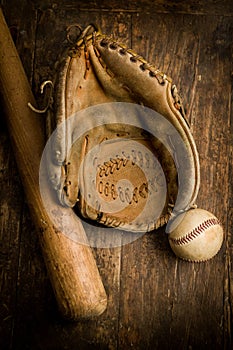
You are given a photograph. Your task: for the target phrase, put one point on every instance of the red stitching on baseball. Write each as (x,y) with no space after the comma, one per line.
(195,232)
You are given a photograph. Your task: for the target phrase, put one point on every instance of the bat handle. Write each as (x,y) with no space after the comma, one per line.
(70,262)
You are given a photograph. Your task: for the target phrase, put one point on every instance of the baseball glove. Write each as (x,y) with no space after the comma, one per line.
(122,153)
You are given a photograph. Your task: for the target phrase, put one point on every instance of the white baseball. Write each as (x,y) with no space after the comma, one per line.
(197,235)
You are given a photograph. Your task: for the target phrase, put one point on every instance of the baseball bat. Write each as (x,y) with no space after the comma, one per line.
(71,265)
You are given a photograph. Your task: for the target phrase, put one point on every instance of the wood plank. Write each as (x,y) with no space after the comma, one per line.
(12,197)
(21,19)
(179,304)
(228,313)
(10,226)
(201,7)
(214,142)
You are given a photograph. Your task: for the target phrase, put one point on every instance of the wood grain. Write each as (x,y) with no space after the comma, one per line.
(200,7)
(155,300)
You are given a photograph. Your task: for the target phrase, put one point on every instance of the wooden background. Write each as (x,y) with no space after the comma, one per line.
(156,301)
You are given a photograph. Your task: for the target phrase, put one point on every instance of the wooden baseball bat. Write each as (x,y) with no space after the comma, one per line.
(71,266)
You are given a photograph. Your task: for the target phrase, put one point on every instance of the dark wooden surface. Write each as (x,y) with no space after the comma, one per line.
(156,301)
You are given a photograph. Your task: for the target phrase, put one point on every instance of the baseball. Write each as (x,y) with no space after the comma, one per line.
(197,235)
